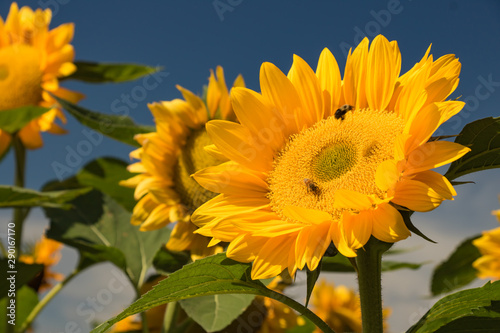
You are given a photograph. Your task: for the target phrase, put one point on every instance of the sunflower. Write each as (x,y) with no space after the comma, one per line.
(316,159)
(488,265)
(164,187)
(32,58)
(46,252)
(339,307)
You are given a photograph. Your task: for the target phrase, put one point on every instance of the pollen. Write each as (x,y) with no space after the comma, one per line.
(333,154)
(20,77)
(193,157)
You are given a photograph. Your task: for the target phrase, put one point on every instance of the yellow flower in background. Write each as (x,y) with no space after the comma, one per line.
(488,265)
(168,157)
(316,159)
(32,58)
(47,253)
(339,307)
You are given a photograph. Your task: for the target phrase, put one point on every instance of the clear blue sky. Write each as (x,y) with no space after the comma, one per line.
(189,37)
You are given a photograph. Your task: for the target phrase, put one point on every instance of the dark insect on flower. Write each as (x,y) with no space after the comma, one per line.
(340,113)
(312,187)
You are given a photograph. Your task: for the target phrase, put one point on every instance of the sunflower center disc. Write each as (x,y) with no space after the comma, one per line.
(331,155)
(192,158)
(20,77)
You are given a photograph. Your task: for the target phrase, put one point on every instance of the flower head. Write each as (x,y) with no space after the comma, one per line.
(488,265)
(168,157)
(32,58)
(47,253)
(316,159)
(339,307)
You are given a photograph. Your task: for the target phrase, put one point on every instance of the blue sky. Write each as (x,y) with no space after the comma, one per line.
(187,38)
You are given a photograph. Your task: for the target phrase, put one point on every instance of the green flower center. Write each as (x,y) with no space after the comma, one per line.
(192,158)
(333,162)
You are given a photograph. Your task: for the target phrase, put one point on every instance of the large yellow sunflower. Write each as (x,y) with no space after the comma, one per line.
(316,159)
(32,58)
(488,265)
(164,187)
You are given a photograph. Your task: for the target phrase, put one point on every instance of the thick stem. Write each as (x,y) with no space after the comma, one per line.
(19,213)
(39,307)
(369,261)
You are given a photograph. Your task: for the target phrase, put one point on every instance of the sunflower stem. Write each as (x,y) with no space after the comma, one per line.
(369,261)
(170,319)
(45,300)
(19,213)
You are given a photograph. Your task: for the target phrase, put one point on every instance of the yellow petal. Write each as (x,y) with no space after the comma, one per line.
(357,228)
(263,121)
(388,224)
(245,247)
(352,199)
(416,196)
(307,86)
(181,236)
(196,104)
(235,142)
(355,76)
(381,73)
(272,258)
(157,219)
(387,175)
(319,240)
(213,94)
(279,91)
(329,78)
(434,154)
(437,182)
(306,215)
(232,178)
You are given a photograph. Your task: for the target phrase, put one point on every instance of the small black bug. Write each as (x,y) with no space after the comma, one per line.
(340,113)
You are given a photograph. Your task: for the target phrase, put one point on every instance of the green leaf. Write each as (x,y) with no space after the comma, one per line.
(13,120)
(457,270)
(166,261)
(476,307)
(312,277)
(209,276)
(105,72)
(121,128)
(24,274)
(100,229)
(26,300)
(104,174)
(13,196)
(216,312)
(483,138)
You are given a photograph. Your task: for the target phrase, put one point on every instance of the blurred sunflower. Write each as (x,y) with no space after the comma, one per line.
(168,157)
(339,307)
(488,265)
(47,253)
(316,159)
(32,58)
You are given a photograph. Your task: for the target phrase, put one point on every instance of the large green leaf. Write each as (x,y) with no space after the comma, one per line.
(26,300)
(457,270)
(209,276)
(468,308)
(483,138)
(13,120)
(105,72)
(216,312)
(24,274)
(121,128)
(104,174)
(13,196)
(100,229)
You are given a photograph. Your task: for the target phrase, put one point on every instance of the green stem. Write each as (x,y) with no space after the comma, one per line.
(19,213)
(170,319)
(369,261)
(45,300)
